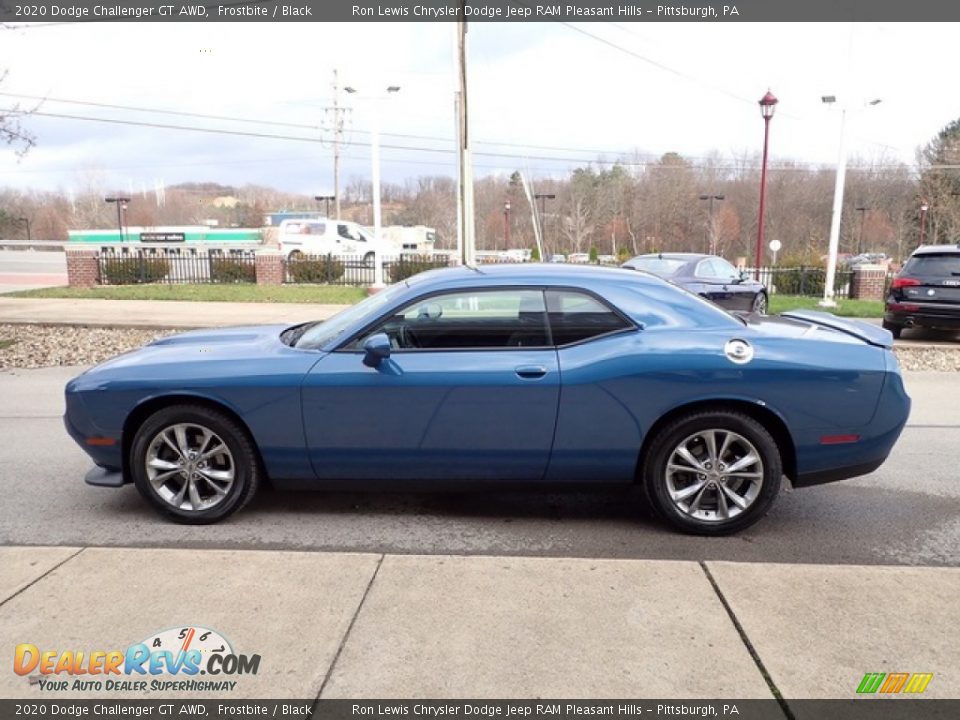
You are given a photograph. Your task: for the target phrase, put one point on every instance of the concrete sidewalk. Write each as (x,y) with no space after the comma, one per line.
(373,626)
(156,313)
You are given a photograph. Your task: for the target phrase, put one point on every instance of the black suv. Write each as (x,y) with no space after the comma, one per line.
(926,292)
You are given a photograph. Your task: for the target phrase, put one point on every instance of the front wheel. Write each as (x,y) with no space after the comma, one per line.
(760,304)
(368,260)
(712,473)
(195,465)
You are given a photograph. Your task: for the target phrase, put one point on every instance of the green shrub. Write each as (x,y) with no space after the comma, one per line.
(134,270)
(409,265)
(623,254)
(230,269)
(535,254)
(315,270)
(594,254)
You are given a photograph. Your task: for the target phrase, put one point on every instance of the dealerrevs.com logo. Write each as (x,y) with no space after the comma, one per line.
(168,661)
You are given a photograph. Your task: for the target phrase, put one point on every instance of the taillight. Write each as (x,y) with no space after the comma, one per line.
(903,282)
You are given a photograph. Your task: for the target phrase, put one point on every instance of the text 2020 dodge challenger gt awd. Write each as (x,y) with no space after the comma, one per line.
(523,373)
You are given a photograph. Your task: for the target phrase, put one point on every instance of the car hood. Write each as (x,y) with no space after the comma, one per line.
(799,323)
(232,343)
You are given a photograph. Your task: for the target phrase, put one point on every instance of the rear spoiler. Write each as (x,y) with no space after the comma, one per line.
(870,334)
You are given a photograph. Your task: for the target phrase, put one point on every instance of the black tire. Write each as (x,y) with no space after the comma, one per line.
(295,255)
(895,330)
(369,259)
(759,303)
(654,470)
(244,458)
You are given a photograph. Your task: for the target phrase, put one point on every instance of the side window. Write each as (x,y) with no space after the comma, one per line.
(706,269)
(576,316)
(344,232)
(468,319)
(725,270)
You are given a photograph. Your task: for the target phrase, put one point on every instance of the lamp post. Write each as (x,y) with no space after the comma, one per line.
(837,212)
(711,240)
(543,197)
(327,199)
(768,104)
(26,222)
(862,209)
(375,178)
(923,220)
(506,224)
(121,203)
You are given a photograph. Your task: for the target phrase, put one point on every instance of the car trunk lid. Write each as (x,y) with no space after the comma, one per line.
(870,334)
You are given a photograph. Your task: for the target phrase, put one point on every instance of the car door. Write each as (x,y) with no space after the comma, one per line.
(470,391)
(346,240)
(709,283)
(740,293)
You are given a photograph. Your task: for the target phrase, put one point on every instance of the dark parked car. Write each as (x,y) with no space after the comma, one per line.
(926,292)
(528,373)
(707,275)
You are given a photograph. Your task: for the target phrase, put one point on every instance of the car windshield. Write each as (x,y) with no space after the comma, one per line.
(943,265)
(658,265)
(316,336)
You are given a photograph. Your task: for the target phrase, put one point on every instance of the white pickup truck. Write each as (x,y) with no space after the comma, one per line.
(330,237)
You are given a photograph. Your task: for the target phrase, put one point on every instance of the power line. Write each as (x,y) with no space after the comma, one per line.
(626,162)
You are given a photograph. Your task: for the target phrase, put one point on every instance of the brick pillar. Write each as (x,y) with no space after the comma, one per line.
(83,267)
(270,269)
(869,282)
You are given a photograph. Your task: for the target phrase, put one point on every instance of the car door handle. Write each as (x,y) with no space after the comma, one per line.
(531,371)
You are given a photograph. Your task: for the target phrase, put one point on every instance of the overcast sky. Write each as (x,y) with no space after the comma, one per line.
(544,98)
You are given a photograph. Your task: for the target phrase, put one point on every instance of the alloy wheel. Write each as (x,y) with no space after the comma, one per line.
(714,475)
(189,467)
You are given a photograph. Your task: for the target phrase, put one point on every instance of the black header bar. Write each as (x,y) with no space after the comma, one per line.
(44,11)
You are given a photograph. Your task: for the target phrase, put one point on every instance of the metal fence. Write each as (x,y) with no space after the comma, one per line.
(804,280)
(215,267)
(356,270)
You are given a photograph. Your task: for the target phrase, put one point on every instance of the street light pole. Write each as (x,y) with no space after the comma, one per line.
(923,220)
(378,282)
(506,224)
(863,220)
(711,240)
(768,104)
(837,212)
(543,197)
(327,199)
(121,203)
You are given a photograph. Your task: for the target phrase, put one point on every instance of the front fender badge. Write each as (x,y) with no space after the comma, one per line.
(738,351)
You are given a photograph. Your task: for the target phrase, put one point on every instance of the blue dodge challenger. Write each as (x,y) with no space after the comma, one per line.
(511,373)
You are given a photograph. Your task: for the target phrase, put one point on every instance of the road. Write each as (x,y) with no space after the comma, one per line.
(908,512)
(24,269)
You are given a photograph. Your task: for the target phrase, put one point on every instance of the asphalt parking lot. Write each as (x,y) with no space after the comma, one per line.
(908,512)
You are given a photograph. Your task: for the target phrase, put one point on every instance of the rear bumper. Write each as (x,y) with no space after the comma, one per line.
(821,477)
(926,315)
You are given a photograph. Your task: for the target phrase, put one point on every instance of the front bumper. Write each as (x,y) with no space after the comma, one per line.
(104,477)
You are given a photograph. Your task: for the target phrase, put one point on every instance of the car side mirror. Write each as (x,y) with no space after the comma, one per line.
(376,349)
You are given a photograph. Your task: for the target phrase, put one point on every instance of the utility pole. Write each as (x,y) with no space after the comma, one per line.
(336,114)
(465,234)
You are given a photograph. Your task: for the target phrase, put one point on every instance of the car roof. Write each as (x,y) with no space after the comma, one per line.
(938,249)
(534,274)
(675,256)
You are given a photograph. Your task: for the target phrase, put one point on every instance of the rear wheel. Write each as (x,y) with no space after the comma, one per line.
(712,473)
(895,330)
(195,465)
(368,259)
